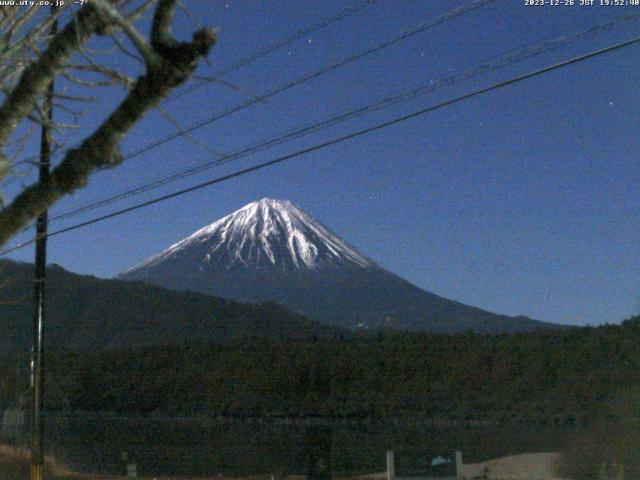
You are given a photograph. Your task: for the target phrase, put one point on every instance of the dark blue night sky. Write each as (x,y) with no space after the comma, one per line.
(521,201)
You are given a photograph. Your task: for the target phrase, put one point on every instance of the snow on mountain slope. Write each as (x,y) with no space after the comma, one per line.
(264,234)
(271,250)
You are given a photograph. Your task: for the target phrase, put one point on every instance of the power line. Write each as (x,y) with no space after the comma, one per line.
(276,46)
(261,53)
(310,76)
(337,140)
(315,74)
(509,58)
(351,58)
(333,66)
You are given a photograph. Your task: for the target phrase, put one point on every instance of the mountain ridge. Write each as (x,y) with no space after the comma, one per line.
(248,235)
(85,313)
(271,250)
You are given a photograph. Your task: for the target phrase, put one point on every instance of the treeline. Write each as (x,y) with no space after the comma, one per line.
(566,377)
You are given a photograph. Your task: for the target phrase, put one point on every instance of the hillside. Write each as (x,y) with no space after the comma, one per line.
(271,250)
(527,378)
(87,313)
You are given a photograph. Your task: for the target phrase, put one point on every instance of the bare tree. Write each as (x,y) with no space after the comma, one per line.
(30,60)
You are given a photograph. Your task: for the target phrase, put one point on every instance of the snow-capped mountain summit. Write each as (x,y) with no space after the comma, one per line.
(271,250)
(264,234)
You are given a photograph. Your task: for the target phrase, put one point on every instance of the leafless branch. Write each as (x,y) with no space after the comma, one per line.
(112,76)
(175,62)
(187,136)
(113,15)
(140,11)
(118,44)
(36,77)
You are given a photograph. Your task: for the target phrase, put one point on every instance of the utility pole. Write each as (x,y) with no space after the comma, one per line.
(37,347)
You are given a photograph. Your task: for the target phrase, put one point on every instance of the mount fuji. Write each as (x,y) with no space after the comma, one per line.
(271,250)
